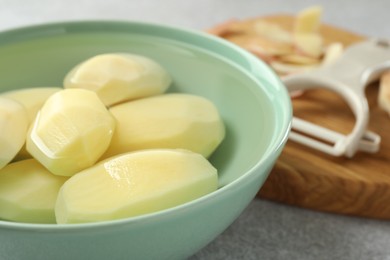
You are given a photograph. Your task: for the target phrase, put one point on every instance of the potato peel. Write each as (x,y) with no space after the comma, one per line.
(296,50)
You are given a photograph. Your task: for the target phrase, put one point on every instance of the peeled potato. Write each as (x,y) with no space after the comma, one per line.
(28,192)
(32,99)
(71,132)
(13,128)
(119,77)
(133,184)
(167,121)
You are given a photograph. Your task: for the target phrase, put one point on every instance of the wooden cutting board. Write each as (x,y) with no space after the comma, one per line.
(308,178)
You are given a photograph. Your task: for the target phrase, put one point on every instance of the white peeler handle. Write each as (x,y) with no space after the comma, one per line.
(327,140)
(348,76)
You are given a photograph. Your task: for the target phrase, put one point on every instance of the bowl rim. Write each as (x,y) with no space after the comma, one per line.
(256,67)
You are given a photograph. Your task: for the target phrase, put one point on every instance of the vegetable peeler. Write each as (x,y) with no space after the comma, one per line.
(359,65)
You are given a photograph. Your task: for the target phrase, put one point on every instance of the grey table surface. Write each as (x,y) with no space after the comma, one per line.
(265,230)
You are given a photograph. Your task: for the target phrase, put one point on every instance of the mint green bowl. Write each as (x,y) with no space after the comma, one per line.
(251,99)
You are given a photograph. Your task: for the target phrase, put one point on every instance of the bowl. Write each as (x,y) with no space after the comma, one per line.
(253,102)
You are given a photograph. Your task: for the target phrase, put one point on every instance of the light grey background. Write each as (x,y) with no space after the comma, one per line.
(370,17)
(265,230)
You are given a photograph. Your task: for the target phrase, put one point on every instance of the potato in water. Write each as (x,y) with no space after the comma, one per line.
(13,128)
(28,192)
(133,184)
(71,132)
(32,99)
(109,145)
(167,121)
(119,77)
